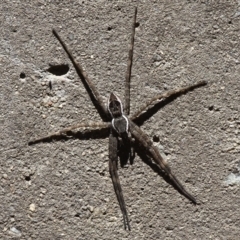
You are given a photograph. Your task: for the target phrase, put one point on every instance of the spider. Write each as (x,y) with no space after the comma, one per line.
(123,128)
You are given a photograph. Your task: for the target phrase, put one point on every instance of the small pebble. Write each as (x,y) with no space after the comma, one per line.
(5,175)
(15,231)
(32,207)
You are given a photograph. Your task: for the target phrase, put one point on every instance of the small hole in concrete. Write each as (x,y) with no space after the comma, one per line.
(210,108)
(22,75)
(58,70)
(156,138)
(137,24)
(27,178)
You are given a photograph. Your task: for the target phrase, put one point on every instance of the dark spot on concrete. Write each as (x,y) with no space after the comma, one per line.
(50,85)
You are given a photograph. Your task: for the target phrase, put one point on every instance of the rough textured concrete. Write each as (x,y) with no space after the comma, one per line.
(62,189)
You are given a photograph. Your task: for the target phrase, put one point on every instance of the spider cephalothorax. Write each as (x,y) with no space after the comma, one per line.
(119,120)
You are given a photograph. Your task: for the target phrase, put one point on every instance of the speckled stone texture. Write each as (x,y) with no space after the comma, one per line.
(62,189)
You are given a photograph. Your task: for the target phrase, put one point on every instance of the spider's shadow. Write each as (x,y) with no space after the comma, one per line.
(81,135)
(147,160)
(156,107)
(125,156)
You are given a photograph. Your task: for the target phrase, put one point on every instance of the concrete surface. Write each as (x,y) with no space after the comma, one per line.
(62,189)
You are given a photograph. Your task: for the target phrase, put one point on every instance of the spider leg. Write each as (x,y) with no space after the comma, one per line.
(92,91)
(144,140)
(129,67)
(161,97)
(113,157)
(90,125)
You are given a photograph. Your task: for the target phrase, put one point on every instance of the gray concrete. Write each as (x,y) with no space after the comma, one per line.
(62,189)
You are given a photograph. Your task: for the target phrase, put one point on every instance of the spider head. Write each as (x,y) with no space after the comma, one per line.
(115,107)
